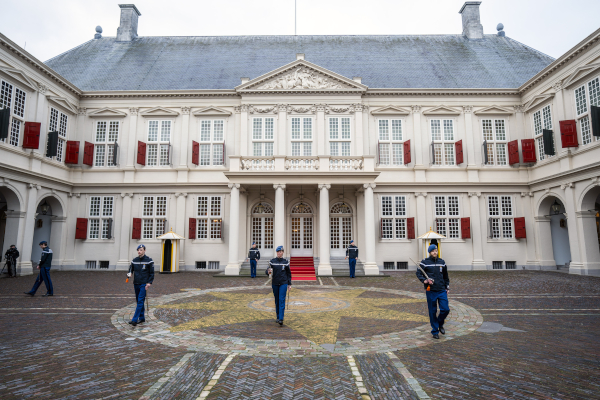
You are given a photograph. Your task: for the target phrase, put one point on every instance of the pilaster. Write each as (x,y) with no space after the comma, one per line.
(478,262)
(26,261)
(125,236)
(233,266)
(324,250)
(370,265)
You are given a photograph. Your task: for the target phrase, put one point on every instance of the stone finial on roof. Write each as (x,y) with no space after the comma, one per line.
(500,29)
(127,30)
(98,34)
(472,27)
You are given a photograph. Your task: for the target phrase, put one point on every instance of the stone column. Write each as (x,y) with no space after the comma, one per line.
(233,266)
(320,110)
(586,223)
(281,135)
(576,266)
(370,265)
(125,235)
(244,133)
(26,264)
(529,227)
(279,217)
(73,207)
(477,236)
(324,247)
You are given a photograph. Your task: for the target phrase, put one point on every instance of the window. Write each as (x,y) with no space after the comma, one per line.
(511,264)
(100,221)
(212,142)
(495,139)
(497,265)
(263,130)
(302,136)
(90,265)
(58,123)
(154,214)
(391,148)
(393,217)
(209,217)
(390,265)
(588,94)
(107,135)
(159,143)
(339,136)
(500,211)
(214,265)
(14,98)
(200,264)
(104,264)
(447,216)
(542,119)
(442,141)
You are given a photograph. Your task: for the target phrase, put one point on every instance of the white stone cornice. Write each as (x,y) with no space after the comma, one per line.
(134,110)
(471,194)
(324,186)
(232,185)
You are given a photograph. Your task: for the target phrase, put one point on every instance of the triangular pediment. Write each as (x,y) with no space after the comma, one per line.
(159,112)
(390,110)
(494,110)
(442,110)
(212,112)
(537,100)
(301,76)
(580,73)
(107,112)
(64,103)
(20,76)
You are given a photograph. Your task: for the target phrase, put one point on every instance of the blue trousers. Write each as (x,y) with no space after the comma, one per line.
(279,291)
(433,299)
(252,268)
(44,276)
(352,262)
(140,295)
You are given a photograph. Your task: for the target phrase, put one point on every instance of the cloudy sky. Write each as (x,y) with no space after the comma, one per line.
(48,28)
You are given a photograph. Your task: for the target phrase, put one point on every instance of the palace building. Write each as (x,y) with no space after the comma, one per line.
(305,142)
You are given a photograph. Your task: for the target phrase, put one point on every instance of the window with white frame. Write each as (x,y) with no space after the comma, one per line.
(447,216)
(586,96)
(209,217)
(391,146)
(154,214)
(542,119)
(302,136)
(263,133)
(500,213)
(158,152)
(494,135)
(339,136)
(100,217)
(393,217)
(13,98)
(107,135)
(59,123)
(442,141)
(212,142)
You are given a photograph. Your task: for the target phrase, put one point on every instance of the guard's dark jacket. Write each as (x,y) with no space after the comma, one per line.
(352,251)
(12,254)
(282,275)
(46,260)
(436,269)
(254,254)
(143,270)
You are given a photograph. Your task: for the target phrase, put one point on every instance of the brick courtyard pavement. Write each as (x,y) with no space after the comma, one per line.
(538,339)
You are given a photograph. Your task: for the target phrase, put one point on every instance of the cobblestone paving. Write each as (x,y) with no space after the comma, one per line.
(382,379)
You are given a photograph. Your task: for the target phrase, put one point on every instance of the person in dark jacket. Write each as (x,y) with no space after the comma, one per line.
(352,255)
(437,288)
(142,268)
(11,256)
(253,256)
(44,275)
(282,281)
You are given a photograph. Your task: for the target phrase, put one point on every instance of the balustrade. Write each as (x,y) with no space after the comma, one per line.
(346,163)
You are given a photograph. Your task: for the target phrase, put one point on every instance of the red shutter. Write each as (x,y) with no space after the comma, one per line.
(195,152)
(81,228)
(72,156)
(465,228)
(192,229)
(141,155)
(410,228)
(88,153)
(513,152)
(520,232)
(459,152)
(568,133)
(31,135)
(528,149)
(136,230)
(407,159)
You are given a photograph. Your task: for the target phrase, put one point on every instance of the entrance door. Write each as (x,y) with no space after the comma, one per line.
(167,256)
(302,237)
(262,229)
(340,223)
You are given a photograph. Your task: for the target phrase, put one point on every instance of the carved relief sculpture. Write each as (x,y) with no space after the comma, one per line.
(302,79)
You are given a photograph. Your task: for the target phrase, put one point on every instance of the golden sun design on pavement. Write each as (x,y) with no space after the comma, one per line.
(314,315)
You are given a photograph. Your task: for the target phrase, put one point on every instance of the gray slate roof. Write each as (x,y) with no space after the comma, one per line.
(218,62)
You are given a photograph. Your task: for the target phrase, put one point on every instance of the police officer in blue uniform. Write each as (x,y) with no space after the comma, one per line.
(44,275)
(437,288)
(282,281)
(142,268)
(253,256)
(352,255)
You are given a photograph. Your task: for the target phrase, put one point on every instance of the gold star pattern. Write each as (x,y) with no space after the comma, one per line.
(319,327)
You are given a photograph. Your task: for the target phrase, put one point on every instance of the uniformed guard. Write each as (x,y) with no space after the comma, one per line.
(44,275)
(142,268)
(437,288)
(352,255)
(253,256)
(11,256)
(282,281)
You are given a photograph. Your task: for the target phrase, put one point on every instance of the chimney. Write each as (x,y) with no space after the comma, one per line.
(472,28)
(127,31)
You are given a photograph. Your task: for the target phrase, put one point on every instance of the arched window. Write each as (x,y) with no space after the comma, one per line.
(265,209)
(338,208)
(262,227)
(302,208)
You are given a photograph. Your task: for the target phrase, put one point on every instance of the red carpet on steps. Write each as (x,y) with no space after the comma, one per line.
(303,269)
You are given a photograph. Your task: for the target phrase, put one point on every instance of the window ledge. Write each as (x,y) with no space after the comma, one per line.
(208,241)
(587,147)
(503,240)
(395,240)
(143,241)
(99,240)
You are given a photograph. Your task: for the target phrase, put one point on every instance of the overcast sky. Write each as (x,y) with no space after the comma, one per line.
(49,27)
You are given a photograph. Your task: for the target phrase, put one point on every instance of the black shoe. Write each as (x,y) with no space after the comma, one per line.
(29,293)
(132,323)
(436,336)
(48,294)
(442,330)
(141,320)
(280,323)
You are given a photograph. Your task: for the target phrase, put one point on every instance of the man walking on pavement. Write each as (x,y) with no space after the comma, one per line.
(352,254)
(44,275)
(142,268)
(11,256)
(282,281)
(437,288)
(254,256)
